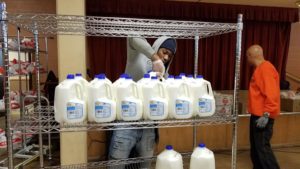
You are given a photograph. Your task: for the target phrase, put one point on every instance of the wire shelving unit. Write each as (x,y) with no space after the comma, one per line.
(42,120)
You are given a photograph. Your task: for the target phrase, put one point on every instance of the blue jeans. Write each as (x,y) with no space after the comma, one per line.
(124,142)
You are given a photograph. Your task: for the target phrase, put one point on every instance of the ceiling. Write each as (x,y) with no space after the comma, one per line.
(274,3)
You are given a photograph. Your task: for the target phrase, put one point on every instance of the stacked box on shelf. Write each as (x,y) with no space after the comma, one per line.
(290,105)
(224,102)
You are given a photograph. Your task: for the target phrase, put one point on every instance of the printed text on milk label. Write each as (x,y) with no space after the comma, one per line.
(182,107)
(102,110)
(128,109)
(74,110)
(205,105)
(156,108)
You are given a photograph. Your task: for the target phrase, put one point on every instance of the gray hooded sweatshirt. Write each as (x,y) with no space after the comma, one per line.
(139,53)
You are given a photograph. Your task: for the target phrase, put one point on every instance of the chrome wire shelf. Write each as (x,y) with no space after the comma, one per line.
(131,163)
(51,24)
(30,124)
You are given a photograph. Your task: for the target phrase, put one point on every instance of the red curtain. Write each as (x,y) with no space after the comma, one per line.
(269,27)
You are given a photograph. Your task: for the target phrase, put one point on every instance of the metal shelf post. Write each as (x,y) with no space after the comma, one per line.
(236,89)
(5,62)
(195,75)
(37,60)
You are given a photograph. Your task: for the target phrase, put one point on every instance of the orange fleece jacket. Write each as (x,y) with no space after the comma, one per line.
(264,91)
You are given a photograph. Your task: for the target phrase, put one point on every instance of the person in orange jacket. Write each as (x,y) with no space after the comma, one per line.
(264,106)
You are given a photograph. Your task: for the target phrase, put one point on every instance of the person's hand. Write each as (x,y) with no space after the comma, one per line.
(158,66)
(263,120)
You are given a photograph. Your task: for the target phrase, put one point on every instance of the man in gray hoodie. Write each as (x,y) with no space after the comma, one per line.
(142,58)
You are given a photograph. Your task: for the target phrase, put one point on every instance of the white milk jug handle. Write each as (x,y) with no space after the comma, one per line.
(162,92)
(210,92)
(108,90)
(186,89)
(79,90)
(135,90)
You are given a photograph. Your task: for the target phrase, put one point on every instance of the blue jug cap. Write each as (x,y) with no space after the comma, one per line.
(146,75)
(201,145)
(190,76)
(171,76)
(199,77)
(182,74)
(70,76)
(124,75)
(78,74)
(154,78)
(178,77)
(101,76)
(128,78)
(169,147)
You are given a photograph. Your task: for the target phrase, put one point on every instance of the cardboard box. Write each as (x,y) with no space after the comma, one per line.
(243,108)
(290,105)
(97,145)
(223,99)
(227,110)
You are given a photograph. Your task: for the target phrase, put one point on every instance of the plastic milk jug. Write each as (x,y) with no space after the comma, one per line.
(101,106)
(155,100)
(169,159)
(202,158)
(170,79)
(69,103)
(143,81)
(183,76)
(106,79)
(84,83)
(205,104)
(117,82)
(129,104)
(180,103)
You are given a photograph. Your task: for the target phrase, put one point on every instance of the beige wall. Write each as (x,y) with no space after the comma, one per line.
(293,61)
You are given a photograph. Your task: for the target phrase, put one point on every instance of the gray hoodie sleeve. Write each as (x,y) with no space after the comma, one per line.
(140,44)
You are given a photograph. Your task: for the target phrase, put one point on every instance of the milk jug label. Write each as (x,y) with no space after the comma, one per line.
(205,105)
(128,109)
(182,107)
(156,108)
(74,110)
(102,110)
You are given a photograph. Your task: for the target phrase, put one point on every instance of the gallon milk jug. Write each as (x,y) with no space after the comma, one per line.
(117,82)
(129,104)
(84,83)
(101,74)
(182,75)
(145,79)
(189,78)
(141,82)
(205,104)
(202,158)
(69,103)
(106,79)
(169,159)
(155,100)
(180,103)
(101,106)
(169,80)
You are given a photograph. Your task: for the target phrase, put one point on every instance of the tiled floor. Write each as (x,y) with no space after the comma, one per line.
(288,158)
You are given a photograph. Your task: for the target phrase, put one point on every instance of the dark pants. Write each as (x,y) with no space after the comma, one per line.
(261,152)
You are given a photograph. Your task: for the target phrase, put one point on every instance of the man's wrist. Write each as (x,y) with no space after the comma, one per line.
(266,114)
(154,57)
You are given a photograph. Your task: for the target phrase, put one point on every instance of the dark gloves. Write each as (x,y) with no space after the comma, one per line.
(263,120)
